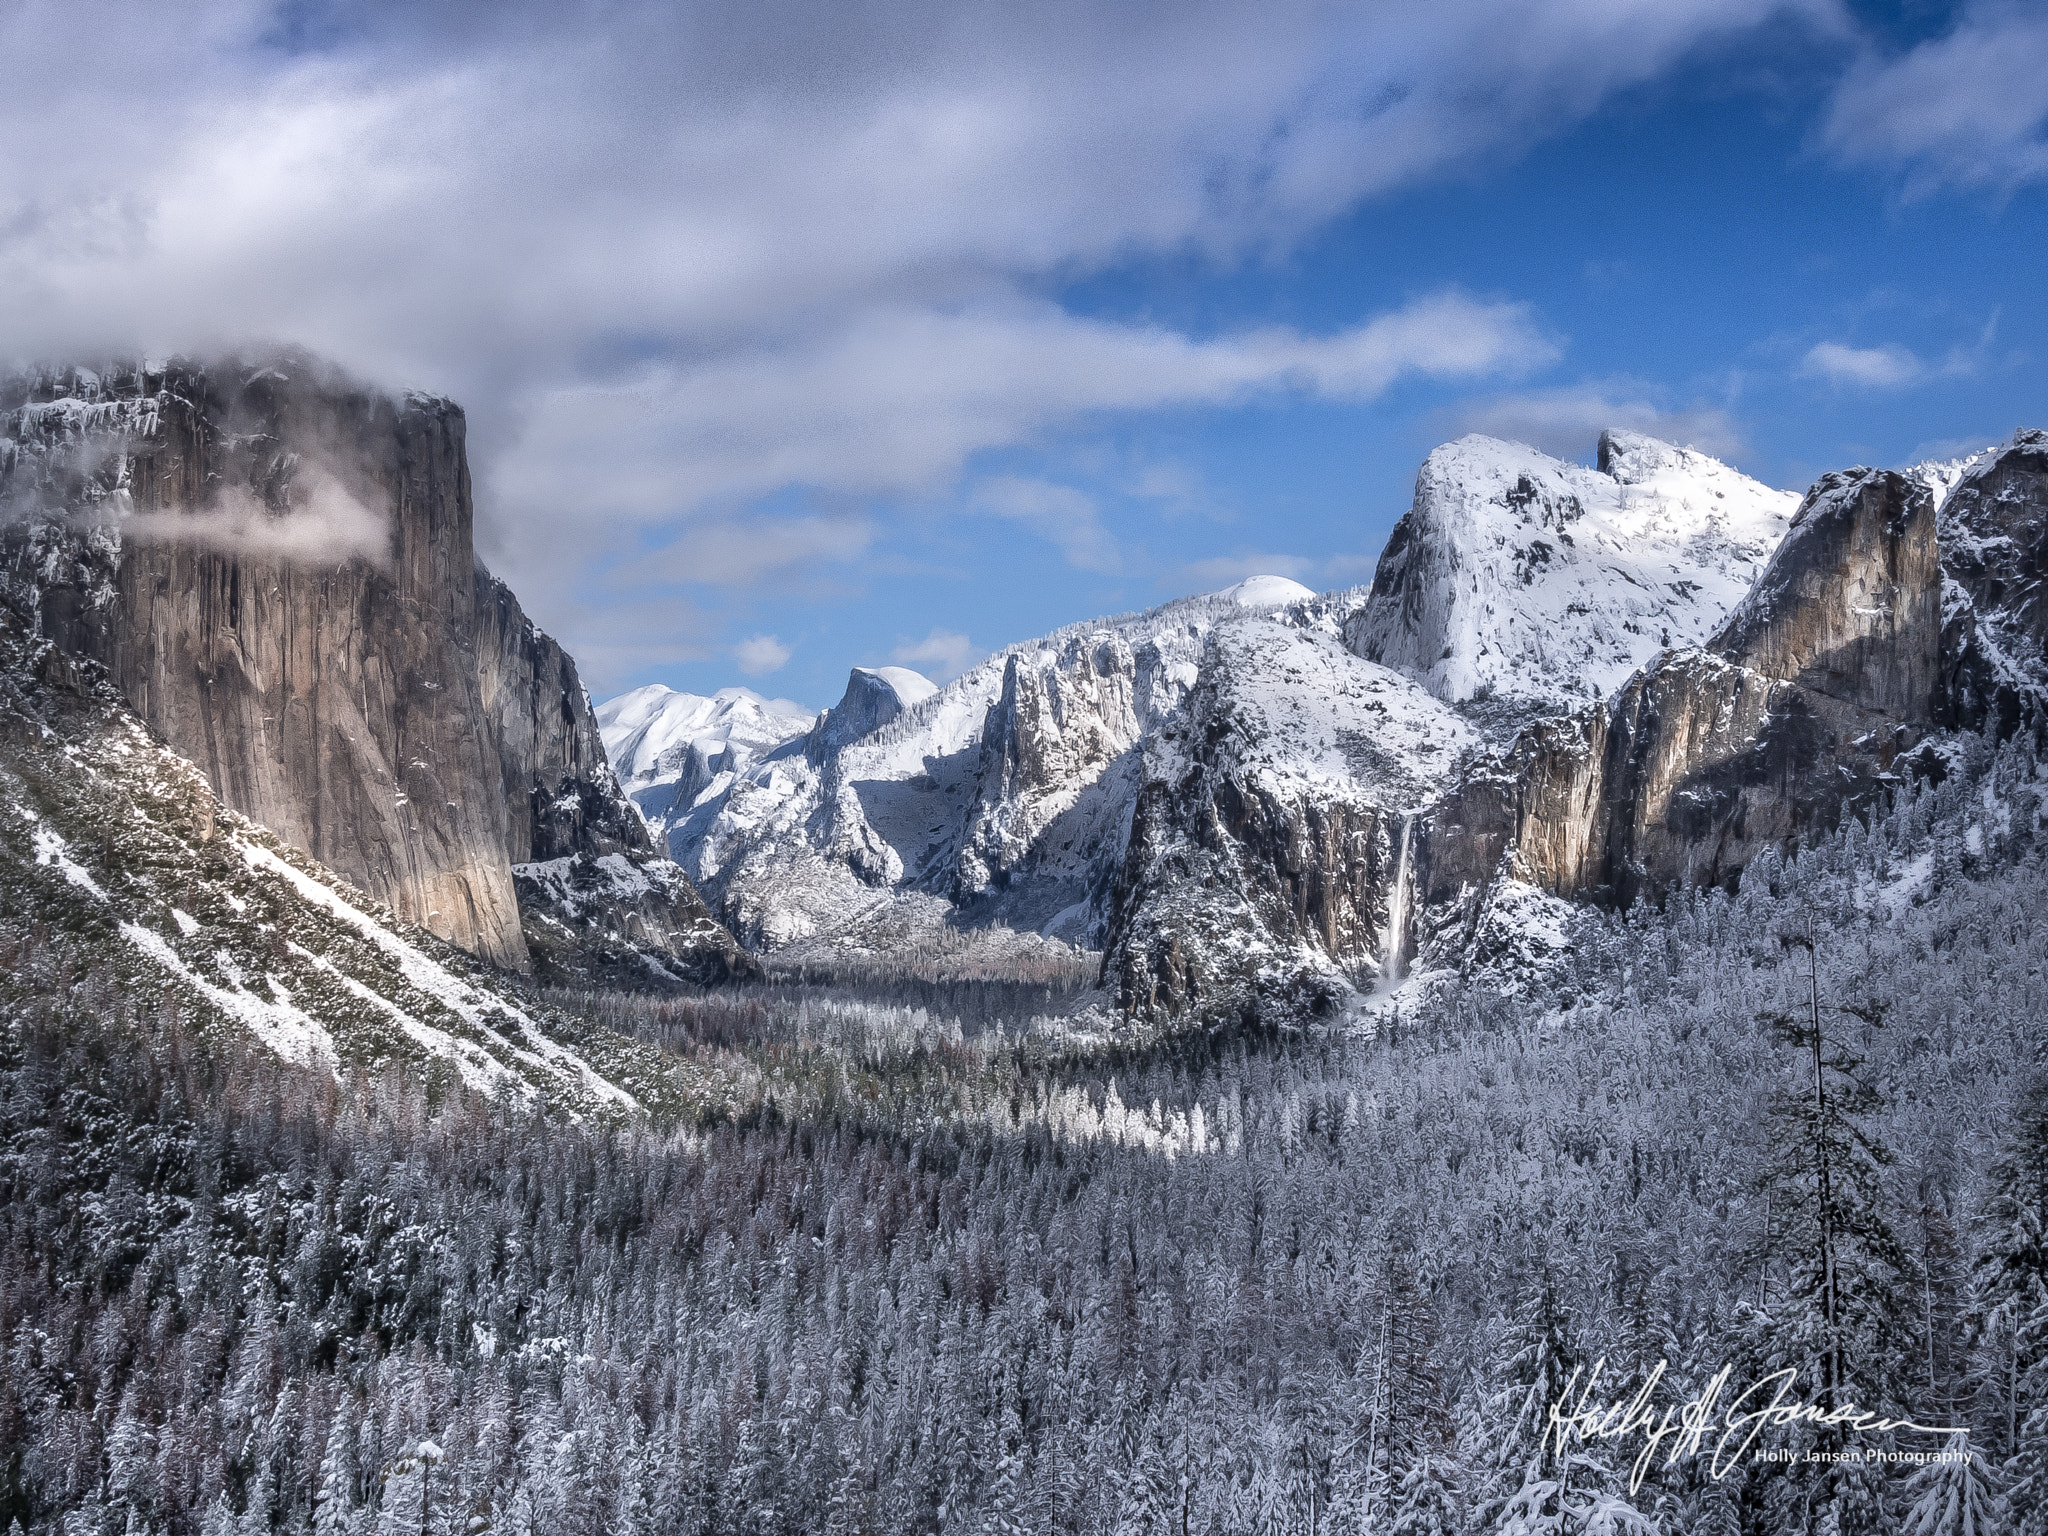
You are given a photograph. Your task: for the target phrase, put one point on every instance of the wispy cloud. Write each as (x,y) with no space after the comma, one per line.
(1568,421)
(742,550)
(1886,367)
(941,655)
(1967,109)
(758,655)
(897,400)
(1059,514)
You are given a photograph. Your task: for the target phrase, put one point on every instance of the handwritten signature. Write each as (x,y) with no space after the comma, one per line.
(1686,1426)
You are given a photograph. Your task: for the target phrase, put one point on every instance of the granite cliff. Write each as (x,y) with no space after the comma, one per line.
(275,566)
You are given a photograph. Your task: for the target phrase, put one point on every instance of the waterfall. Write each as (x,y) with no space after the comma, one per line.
(1396,936)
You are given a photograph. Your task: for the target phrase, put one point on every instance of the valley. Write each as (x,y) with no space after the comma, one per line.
(1213,1068)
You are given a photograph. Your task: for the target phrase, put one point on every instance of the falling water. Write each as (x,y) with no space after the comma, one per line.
(1396,936)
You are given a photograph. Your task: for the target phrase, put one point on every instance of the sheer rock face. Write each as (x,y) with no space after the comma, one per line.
(1051,732)
(561,798)
(1264,861)
(1826,673)
(276,567)
(874,696)
(1994,547)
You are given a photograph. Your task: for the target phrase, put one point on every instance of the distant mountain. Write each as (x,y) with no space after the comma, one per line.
(1564,684)
(676,751)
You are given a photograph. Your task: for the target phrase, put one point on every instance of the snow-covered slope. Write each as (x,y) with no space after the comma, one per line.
(1535,585)
(121,871)
(991,814)
(671,749)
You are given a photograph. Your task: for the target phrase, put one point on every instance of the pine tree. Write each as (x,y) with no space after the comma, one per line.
(1527,1467)
(1427,1503)
(2010,1307)
(1845,1313)
(1953,1496)
(1006,1511)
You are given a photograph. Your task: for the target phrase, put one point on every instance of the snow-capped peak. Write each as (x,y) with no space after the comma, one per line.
(1542,584)
(1941,476)
(874,696)
(645,727)
(1265,592)
(910,687)
(671,749)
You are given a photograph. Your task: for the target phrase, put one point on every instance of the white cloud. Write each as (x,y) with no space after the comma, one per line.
(897,399)
(1059,514)
(941,655)
(1568,421)
(779,245)
(1968,109)
(1885,367)
(744,550)
(758,655)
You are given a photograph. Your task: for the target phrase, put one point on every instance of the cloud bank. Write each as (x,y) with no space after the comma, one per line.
(674,257)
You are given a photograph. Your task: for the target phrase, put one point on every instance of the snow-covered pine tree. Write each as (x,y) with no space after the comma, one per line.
(1006,1509)
(1526,1469)
(1954,1496)
(1844,1317)
(2009,1307)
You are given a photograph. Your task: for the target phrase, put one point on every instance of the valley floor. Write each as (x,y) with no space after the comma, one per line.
(921,1255)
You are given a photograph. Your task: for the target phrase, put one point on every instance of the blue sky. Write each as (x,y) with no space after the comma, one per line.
(799,336)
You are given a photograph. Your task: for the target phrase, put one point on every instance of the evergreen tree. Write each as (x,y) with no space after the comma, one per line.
(1006,1509)
(1843,1320)
(2010,1307)
(1428,1500)
(1953,1496)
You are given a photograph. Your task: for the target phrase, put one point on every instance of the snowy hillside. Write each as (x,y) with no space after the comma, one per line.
(1538,585)
(119,868)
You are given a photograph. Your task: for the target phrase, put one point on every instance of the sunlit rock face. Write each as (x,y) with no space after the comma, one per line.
(1838,662)
(276,566)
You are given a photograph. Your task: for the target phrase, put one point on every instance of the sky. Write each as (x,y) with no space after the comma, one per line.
(802,334)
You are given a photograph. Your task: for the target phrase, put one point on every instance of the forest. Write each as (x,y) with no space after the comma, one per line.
(946,1266)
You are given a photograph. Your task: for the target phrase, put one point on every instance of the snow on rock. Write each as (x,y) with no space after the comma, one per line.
(121,858)
(1533,585)
(874,696)
(622,920)
(989,814)
(1941,476)
(672,750)
(1266,592)
(1993,530)
(1264,872)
